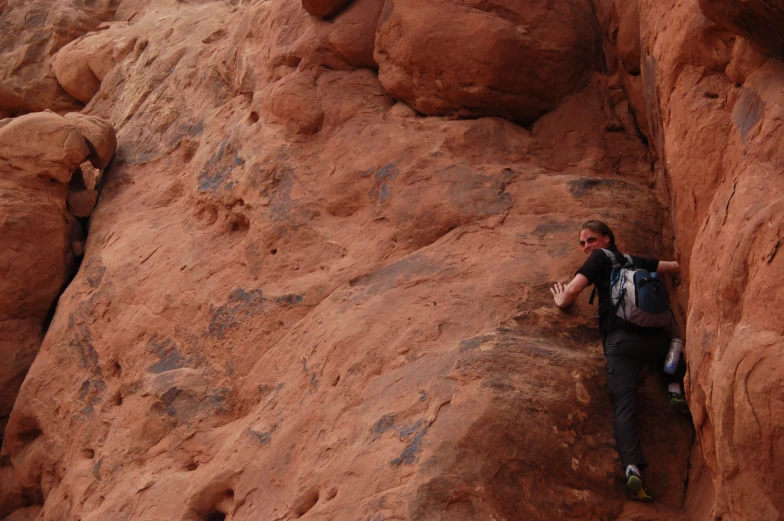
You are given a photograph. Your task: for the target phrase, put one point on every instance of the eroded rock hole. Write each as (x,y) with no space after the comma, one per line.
(335,380)
(190,467)
(76,182)
(28,435)
(88,453)
(218,507)
(306,502)
(274,251)
(253,117)
(117,399)
(240,223)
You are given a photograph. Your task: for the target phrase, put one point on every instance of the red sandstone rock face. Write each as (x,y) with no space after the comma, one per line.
(327,306)
(38,155)
(30,33)
(762,21)
(301,299)
(717,103)
(739,421)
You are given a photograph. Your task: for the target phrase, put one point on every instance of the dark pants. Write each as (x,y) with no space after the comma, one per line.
(626,353)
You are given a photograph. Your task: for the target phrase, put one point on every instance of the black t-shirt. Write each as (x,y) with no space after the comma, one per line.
(597,269)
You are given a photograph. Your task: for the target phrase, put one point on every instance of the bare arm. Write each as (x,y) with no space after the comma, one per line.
(564,296)
(667,267)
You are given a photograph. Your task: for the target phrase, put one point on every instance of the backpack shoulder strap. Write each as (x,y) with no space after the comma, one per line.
(618,261)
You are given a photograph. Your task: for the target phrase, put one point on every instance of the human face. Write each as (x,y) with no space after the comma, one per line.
(591,240)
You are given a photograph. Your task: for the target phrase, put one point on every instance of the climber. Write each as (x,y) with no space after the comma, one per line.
(627,346)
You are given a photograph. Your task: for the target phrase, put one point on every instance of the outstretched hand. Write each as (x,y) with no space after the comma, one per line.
(559,294)
(564,296)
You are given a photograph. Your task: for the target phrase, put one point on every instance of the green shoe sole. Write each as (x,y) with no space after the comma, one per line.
(634,484)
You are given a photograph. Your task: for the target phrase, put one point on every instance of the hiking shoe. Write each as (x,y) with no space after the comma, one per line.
(635,488)
(633,483)
(643,496)
(678,403)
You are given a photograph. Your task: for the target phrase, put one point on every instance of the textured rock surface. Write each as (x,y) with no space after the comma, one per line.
(510,59)
(716,120)
(31,32)
(81,66)
(38,154)
(759,20)
(299,298)
(619,23)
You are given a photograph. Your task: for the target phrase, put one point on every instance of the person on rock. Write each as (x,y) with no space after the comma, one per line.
(627,347)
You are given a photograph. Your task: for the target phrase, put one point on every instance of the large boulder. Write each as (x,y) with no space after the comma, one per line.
(81,66)
(44,145)
(510,59)
(352,34)
(324,8)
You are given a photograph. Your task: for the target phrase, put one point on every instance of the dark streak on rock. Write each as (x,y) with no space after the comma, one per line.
(408,455)
(380,190)
(90,394)
(187,129)
(216,398)
(408,430)
(747,111)
(262,438)
(396,273)
(94,271)
(97,469)
(580,187)
(388,171)
(649,70)
(218,167)
(241,305)
(289,300)
(386,423)
(168,355)
(472,343)
(82,342)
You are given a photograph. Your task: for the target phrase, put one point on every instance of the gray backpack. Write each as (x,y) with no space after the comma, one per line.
(637,296)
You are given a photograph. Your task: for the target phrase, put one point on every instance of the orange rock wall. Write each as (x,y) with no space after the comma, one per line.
(720,103)
(311,290)
(39,154)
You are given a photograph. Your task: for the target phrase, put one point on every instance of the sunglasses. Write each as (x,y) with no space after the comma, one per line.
(589,240)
